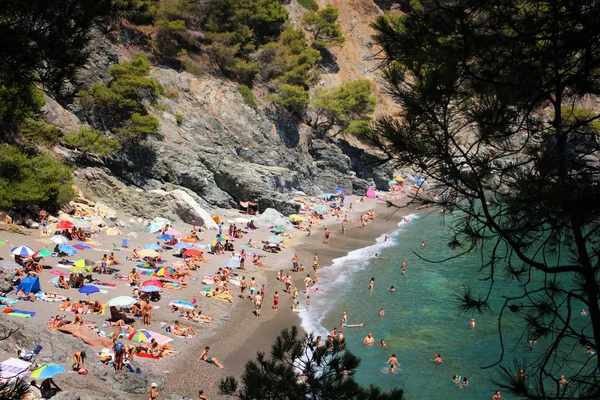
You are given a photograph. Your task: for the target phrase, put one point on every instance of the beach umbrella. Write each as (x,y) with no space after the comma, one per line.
(275,239)
(47,371)
(148,253)
(279,229)
(67,249)
(173,232)
(158,223)
(42,253)
(163,271)
(84,263)
(121,301)
(9,265)
(77,269)
(418,181)
(399,178)
(327,195)
(88,290)
(297,217)
(189,240)
(133,234)
(140,336)
(182,245)
(59,239)
(233,262)
(370,194)
(164,236)
(319,208)
(200,245)
(150,289)
(1,243)
(393,182)
(22,251)
(152,282)
(65,225)
(152,246)
(191,252)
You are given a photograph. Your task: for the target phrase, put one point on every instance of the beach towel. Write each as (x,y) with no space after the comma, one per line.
(9,300)
(19,313)
(64,266)
(182,304)
(55,272)
(81,246)
(160,338)
(52,298)
(169,329)
(146,355)
(86,334)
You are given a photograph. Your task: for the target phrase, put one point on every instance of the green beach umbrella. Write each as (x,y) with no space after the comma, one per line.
(279,229)
(44,253)
(393,182)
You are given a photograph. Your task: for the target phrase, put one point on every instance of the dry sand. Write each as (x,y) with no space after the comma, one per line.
(236,334)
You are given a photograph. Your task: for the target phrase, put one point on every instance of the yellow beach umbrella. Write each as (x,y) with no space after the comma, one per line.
(148,253)
(399,178)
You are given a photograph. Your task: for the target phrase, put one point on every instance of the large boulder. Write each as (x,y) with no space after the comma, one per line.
(86,394)
(269,216)
(5,218)
(5,281)
(189,211)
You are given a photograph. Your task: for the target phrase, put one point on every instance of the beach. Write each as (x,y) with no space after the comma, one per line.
(234,336)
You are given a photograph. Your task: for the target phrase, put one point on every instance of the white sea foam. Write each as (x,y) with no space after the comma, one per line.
(335,278)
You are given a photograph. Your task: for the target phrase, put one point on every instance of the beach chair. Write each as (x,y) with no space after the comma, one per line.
(125,243)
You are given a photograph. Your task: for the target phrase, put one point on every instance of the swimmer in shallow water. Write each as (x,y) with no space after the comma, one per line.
(472,323)
(391,289)
(382,344)
(381,313)
(438,358)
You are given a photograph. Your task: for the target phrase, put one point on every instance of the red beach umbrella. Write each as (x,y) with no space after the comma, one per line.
(192,252)
(65,225)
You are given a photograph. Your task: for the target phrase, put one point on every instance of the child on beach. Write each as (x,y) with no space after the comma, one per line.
(275,300)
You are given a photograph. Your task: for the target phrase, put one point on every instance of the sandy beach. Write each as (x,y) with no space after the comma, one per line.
(234,336)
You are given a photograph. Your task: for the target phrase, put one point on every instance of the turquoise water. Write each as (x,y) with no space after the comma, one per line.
(421,316)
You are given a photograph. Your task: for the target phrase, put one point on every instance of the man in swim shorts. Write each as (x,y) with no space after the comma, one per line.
(252,287)
(211,360)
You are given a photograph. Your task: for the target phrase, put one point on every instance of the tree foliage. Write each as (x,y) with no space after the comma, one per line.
(120,104)
(295,98)
(45,42)
(92,141)
(299,369)
(323,26)
(31,180)
(349,105)
(488,94)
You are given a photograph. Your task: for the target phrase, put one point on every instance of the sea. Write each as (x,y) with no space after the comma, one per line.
(421,316)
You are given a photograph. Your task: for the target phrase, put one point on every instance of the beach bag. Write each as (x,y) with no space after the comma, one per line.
(82,371)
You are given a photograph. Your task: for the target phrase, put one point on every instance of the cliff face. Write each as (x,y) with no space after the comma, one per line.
(222,151)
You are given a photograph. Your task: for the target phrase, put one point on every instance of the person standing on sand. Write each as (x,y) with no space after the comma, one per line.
(243,287)
(252,287)
(344,224)
(257,304)
(307,303)
(153,392)
(327,234)
(147,313)
(243,259)
(309,230)
(275,300)
(295,263)
(308,283)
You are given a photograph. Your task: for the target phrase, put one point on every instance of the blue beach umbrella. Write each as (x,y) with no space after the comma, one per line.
(200,245)
(319,208)
(164,236)
(22,251)
(47,371)
(152,246)
(339,190)
(182,245)
(67,249)
(327,195)
(88,290)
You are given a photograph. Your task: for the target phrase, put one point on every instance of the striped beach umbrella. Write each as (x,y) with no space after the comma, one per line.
(163,271)
(22,251)
(42,253)
(59,239)
(140,336)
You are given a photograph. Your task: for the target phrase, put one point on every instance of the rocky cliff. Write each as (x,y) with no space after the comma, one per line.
(214,150)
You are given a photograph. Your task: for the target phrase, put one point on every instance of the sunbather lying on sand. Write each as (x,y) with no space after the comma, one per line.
(179,331)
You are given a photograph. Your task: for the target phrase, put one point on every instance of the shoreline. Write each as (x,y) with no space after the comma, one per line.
(234,336)
(244,334)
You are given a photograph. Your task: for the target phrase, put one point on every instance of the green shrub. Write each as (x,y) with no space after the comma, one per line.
(171,38)
(247,95)
(18,103)
(90,140)
(192,67)
(245,71)
(323,26)
(39,132)
(179,118)
(292,97)
(120,103)
(32,180)
(309,4)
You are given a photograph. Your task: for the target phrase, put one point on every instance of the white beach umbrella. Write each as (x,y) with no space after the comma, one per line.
(59,239)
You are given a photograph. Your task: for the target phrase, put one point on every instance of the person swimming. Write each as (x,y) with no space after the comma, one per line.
(382,344)
(392,289)
(438,358)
